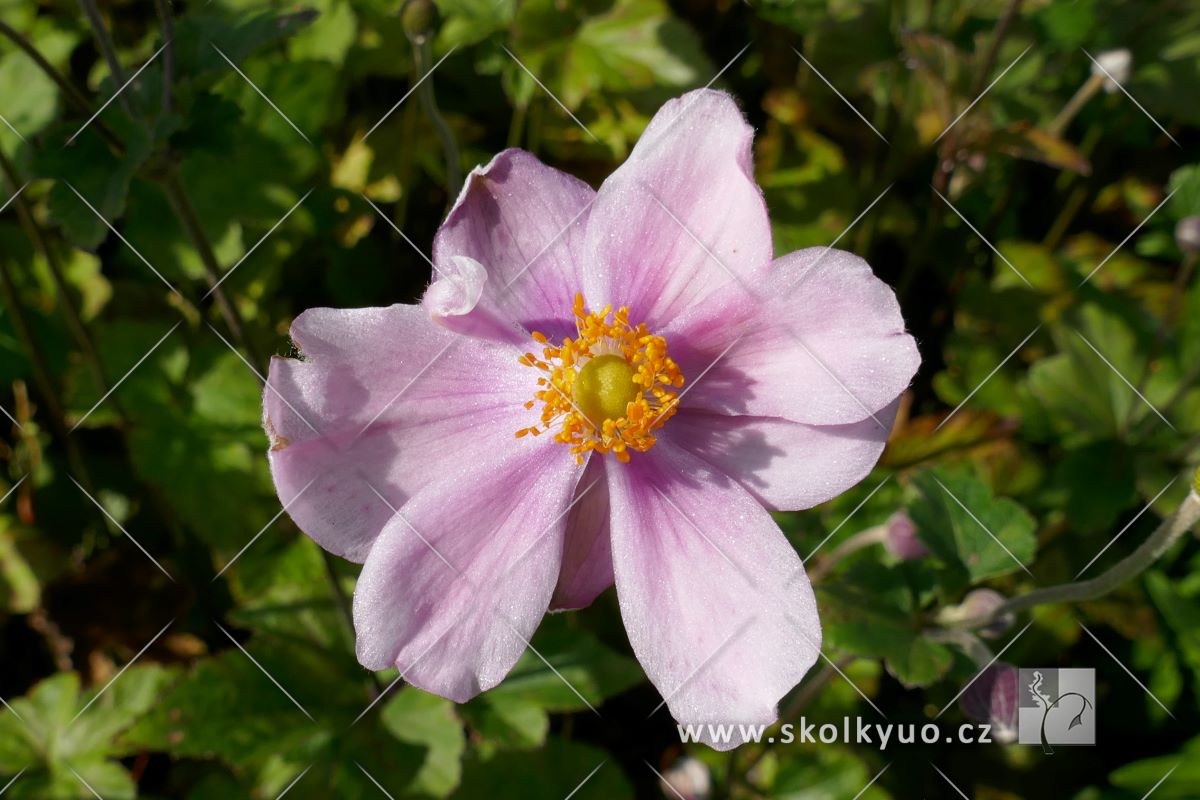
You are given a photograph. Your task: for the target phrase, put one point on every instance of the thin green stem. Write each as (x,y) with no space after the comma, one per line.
(346,608)
(862,539)
(423,62)
(185,212)
(167,23)
(1168,532)
(44,379)
(38,238)
(107,49)
(73,95)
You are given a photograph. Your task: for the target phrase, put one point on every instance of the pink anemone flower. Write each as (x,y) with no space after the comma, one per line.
(599,387)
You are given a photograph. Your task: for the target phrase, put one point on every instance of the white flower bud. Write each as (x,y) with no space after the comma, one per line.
(1114,66)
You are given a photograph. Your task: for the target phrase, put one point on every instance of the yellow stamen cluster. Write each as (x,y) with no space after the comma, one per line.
(646,387)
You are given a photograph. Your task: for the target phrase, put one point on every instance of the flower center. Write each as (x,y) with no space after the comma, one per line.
(606,390)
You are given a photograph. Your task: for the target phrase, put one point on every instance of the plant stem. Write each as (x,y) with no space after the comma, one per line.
(72,94)
(860,540)
(74,320)
(44,378)
(178,197)
(108,50)
(1077,102)
(1169,531)
(344,605)
(423,62)
(167,23)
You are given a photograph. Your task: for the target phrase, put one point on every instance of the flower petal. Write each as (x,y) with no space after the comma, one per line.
(587,553)
(682,216)
(460,577)
(715,601)
(382,395)
(826,345)
(786,465)
(524,222)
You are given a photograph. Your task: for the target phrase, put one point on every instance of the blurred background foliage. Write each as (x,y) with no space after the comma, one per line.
(1066,342)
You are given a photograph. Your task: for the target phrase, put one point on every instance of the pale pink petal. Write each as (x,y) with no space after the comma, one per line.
(587,553)
(524,222)
(452,301)
(458,581)
(716,602)
(385,395)
(786,465)
(825,344)
(682,216)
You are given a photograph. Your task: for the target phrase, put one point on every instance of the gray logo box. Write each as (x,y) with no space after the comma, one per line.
(1056,707)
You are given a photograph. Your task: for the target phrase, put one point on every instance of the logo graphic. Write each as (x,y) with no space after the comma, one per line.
(1056,707)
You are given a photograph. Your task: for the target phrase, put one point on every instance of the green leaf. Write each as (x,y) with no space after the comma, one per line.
(423,719)
(1185,183)
(962,524)
(102,178)
(507,720)
(57,729)
(551,773)
(580,664)
(870,611)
